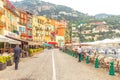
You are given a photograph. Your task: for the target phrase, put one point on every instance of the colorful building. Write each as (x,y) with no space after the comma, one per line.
(35,29)
(48,30)
(2,25)
(60,32)
(22,23)
(11,20)
(74,34)
(67,36)
(29,26)
(53,32)
(41,23)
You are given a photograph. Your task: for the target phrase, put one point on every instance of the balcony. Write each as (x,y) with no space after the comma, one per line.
(2,24)
(1,10)
(29,25)
(23,34)
(10,7)
(22,23)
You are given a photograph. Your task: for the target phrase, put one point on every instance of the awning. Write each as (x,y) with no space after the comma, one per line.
(10,41)
(17,39)
(3,39)
(52,43)
(46,44)
(34,43)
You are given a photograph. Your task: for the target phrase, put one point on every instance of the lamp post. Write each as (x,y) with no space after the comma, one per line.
(79,31)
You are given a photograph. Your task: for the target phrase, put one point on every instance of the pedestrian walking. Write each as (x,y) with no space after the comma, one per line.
(79,53)
(17,51)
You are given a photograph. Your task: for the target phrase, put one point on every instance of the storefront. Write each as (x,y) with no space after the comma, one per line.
(16,37)
(6,44)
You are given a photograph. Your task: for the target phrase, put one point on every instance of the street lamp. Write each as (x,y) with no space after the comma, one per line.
(79,33)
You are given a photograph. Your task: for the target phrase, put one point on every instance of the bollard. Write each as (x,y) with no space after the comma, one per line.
(111,70)
(96,63)
(81,58)
(87,60)
(76,55)
(72,54)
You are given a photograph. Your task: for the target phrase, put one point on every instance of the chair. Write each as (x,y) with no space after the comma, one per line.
(101,60)
(91,57)
(116,65)
(107,61)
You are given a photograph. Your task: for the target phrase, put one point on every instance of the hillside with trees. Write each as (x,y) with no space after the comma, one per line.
(60,12)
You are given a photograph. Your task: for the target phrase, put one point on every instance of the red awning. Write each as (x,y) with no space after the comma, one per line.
(53,43)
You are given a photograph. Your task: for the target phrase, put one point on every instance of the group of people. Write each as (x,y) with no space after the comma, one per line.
(85,51)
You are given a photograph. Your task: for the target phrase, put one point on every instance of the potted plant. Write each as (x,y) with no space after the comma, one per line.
(2,62)
(9,60)
(31,52)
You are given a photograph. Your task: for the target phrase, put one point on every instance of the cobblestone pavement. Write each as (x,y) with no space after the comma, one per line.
(40,67)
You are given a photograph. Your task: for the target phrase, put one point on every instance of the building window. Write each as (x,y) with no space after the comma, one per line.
(24,30)
(29,33)
(20,29)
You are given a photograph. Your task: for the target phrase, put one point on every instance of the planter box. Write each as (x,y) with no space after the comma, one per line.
(9,63)
(2,66)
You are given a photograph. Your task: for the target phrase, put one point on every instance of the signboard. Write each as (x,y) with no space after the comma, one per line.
(10,34)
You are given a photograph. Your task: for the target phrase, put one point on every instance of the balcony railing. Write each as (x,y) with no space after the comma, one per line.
(11,8)
(22,23)
(29,25)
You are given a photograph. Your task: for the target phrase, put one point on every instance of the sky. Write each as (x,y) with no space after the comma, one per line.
(90,7)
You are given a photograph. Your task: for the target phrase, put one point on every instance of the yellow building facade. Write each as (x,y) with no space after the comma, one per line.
(49,28)
(41,31)
(2,24)
(11,18)
(35,29)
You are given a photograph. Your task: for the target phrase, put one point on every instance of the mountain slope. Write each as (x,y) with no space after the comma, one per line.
(51,10)
(103,15)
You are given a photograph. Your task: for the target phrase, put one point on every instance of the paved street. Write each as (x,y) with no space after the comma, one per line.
(55,65)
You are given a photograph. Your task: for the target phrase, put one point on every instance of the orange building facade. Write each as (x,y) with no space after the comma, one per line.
(59,31)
